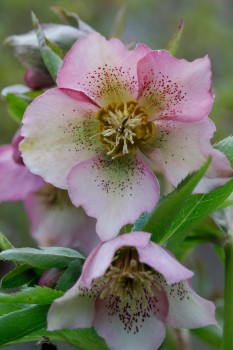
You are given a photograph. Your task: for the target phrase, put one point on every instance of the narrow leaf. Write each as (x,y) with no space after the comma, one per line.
(16,106)
(174,42)
(43,258)
(19,323)
(51,57)
(196,208)
(70,276)
(5,243)
(119,24)
(36,295)
(19,276)
(158,222)
(226,146)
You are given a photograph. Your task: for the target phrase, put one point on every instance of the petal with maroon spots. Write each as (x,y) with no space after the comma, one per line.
(174,88)
(101,257)
(126,327)
(163,262)
(57,130)
(76,309)
(114,191)
(103,69)
(16,181)
(185,147)
(187,309)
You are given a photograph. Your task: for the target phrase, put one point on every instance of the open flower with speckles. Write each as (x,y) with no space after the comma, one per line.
(53,218)
(129,289)
(117,116)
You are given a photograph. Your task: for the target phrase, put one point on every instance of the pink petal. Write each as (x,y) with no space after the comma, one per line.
(163,262)
(101,257)
(187,309)
(75,309)
(16,181)
(104,186)
(174,88)
(125,328)
(60,224)
(185,147)
(57,127)
(104,69)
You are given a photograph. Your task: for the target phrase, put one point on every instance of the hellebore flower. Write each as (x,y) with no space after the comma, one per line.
(53,218)
(116,116)
(129,289)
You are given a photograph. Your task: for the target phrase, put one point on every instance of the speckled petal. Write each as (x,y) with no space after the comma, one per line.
(60,223)
(174,88)
(115,192)
(122,327)
(76,309)
(103,69)
(163,262)
(16,181)
(185,147)
(187,309)
(57,130)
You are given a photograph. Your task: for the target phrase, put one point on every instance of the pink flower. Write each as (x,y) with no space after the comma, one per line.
(54,220)
(129,289)
(116,116)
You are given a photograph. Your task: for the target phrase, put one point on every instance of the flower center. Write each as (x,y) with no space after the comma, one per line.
(128,279)
(124,127)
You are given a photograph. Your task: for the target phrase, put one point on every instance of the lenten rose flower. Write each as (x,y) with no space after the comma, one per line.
(117,116)
(53,218)
(129,289)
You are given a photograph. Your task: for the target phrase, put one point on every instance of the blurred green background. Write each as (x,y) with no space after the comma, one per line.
(208,30)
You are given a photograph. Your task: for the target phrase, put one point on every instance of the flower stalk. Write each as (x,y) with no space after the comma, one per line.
(227,340)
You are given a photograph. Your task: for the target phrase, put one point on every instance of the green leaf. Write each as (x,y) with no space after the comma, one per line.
(226,146)
(174,42)
(119,23)
(36,295)
(84,339)
(196,208)
(5,243)
(70,276)
(16,106)
(71,18)
(6,308)
(210,335)
(19,276)
(158,223)
(16,324)
(50,53)
(44,258)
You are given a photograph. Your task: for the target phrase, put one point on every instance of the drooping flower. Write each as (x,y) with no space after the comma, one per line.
(53,218)
(129,289)
(116,116)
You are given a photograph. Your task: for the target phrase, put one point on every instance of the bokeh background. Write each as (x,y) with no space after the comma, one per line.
(208,30)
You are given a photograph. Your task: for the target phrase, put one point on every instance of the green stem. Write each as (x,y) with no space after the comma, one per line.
(227,341)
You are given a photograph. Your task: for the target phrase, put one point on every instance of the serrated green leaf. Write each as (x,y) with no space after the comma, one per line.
(158,223)
(19,276)
(84,339)
(50,55)
(70,276)
(16,324)
(35,295)
(174,42)
(6,308)
(226,146)
(196,208)
(16,106)
(119,23)
(44,258)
